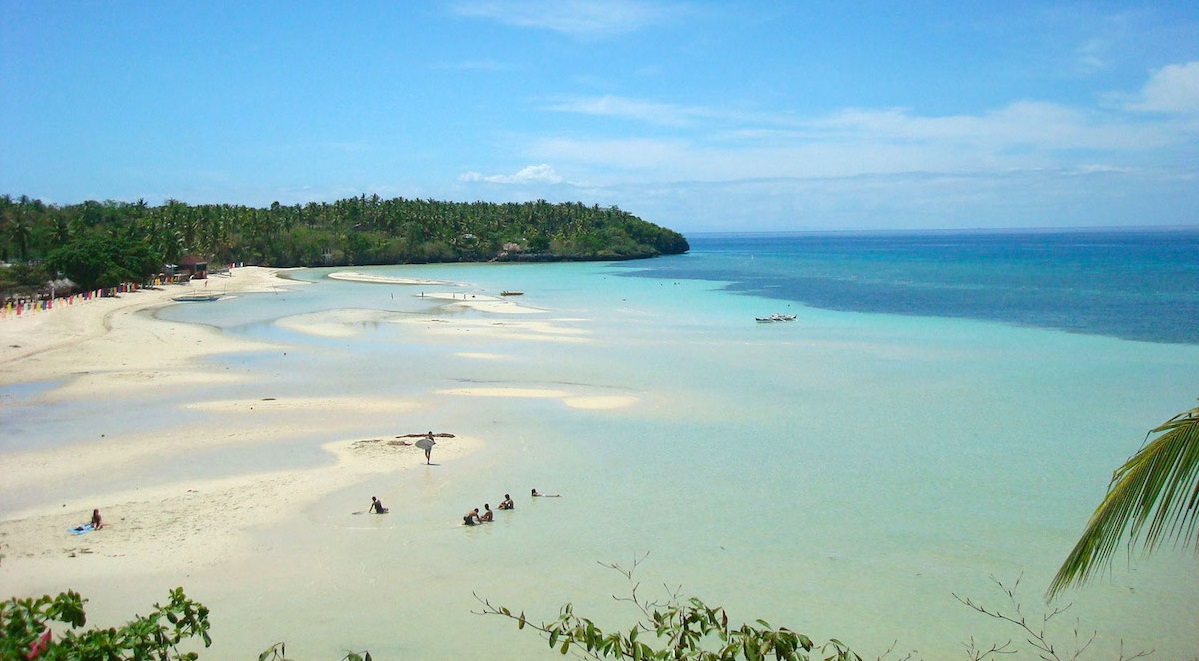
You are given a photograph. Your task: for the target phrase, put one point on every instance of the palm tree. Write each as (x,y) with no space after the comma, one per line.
(20,231)
(1158,486)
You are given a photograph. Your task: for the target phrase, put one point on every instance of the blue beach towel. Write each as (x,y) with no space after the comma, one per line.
(80,530)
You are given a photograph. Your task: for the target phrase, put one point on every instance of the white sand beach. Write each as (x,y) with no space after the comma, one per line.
(101,334)
(110,349)
(481,302)
(536,331)
(358,276)
(331,323)
(589,402)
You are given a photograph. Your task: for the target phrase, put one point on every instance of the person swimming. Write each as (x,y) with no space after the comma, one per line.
(487,516)
(545,495)
(377,506)
(471,518)
(506,503)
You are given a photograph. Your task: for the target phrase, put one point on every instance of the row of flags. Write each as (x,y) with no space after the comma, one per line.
(18,308)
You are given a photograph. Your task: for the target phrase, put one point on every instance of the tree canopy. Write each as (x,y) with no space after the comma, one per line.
(97,241)
(25,625)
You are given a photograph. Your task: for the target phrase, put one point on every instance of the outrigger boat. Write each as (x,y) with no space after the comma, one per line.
(196,298)
(511,293)
(775,317)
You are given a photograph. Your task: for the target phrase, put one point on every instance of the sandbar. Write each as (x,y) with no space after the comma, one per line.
(112,348)
(529,330)
(481,302)
(481,355)
(358,276)
(183,525)
(576,401)
(331,323)
(601,402)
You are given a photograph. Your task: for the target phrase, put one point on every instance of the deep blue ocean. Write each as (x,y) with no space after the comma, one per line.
(1132,284)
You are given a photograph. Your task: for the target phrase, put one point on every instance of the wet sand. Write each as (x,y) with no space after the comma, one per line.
(111,349)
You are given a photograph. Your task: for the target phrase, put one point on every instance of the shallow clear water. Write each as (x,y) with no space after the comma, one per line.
(843,474)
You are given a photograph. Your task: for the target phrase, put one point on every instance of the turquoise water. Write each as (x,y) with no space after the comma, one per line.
(844,474)
(1133,284)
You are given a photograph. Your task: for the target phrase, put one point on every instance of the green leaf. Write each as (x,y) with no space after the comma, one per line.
(1152,497)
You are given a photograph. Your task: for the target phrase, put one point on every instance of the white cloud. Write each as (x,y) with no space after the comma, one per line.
(1092,55)
(625,108)
(542,174)
(1021,125)
(654,112)
(1028,198)
(852,142)
(578,18)
(1172,89)
(1026,163)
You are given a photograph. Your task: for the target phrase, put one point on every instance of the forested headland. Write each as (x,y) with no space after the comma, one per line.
(98,244)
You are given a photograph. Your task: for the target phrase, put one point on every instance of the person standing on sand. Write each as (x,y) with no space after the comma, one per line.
(429,447)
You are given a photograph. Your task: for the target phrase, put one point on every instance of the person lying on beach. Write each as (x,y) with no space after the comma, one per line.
(97,523)
(487,516)
(471,518)
(377,506)
(506,503)
(545,495)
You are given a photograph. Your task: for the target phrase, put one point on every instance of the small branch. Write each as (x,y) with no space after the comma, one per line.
(1037,638)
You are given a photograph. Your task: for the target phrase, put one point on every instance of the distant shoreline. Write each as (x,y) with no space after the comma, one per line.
(949,231)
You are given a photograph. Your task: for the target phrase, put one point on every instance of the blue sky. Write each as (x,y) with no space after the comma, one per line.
(699,116)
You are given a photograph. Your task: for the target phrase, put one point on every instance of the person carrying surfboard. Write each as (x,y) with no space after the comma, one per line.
(427,444)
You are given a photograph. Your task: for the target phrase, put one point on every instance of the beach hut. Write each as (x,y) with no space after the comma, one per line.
(196,268)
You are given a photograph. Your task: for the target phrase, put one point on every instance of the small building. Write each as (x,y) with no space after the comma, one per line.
(194,267)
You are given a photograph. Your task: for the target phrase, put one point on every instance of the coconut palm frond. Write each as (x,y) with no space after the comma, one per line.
(1153,497)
